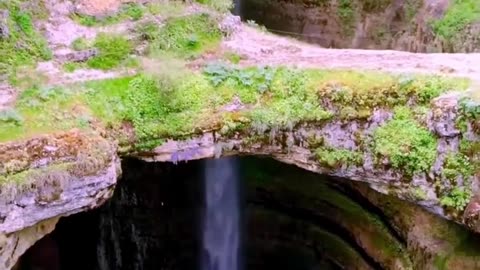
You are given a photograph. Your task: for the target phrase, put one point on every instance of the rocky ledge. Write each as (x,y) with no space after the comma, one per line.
(353,149)
(50,176)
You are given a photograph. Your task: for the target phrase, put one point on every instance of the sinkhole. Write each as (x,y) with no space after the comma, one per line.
(268,216)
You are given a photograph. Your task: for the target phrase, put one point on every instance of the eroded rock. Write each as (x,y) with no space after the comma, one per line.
(49,177)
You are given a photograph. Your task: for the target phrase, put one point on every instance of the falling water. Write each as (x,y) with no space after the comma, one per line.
(237,7)
(221,232)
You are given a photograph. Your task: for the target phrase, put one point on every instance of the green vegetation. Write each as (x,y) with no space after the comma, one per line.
(336,158)
(113,50)
(25,45)
(185,37)
(132,11)
(457,164)
(417,193)
(356,94)
(80,44)
(232,57)
(459,15)
(41,110)
(219,5)
(11,116)
(405,143)
(71,66)
(346,13)
(457,198)
(165,8)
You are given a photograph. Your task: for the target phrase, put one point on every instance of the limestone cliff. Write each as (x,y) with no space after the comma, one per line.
(410,25)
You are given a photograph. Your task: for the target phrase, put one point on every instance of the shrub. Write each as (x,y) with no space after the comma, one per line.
(407,145)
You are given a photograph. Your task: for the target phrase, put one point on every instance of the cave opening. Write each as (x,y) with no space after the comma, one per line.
(289,219)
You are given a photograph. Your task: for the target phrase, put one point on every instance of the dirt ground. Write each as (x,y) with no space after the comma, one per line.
(260,48)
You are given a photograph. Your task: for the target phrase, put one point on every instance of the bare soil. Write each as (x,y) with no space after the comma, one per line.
(260,48)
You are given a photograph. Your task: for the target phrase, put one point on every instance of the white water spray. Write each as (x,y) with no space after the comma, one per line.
(221,231)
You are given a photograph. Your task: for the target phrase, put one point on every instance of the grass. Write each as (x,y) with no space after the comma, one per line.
(25,45)
(459,15)
(40,110)
(185,37)
(113,51)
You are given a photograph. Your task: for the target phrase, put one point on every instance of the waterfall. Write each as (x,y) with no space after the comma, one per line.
(237,7)
(221,225)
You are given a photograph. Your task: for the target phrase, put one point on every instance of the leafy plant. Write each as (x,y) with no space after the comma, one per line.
(457,164)
(407,145)
(458,198)
(335,158)
(259,78)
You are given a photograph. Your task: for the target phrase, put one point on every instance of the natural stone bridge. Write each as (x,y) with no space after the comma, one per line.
(415,138)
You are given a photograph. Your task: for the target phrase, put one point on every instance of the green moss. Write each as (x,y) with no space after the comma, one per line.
(459,15)
(408,146)
(186,36)
(113,51)
(356,94)
(335,158)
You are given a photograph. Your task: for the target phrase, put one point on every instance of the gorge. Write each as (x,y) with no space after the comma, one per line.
(173,135)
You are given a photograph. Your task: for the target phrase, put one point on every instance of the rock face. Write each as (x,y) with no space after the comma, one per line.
(49,177)
(398,25)
(337,148)
(4,30)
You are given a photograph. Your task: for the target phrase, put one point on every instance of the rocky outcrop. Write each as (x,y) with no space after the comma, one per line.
(4,30)
(45,178)
(343,149)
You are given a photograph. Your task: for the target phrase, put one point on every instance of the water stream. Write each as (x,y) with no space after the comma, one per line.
(221,226)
